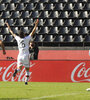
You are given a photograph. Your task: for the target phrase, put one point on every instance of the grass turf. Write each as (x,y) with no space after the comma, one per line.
(44,91)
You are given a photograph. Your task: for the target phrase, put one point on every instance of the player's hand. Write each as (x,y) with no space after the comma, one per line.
(7,24)
(37,21)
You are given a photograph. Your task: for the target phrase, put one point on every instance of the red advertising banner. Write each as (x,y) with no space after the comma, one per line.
(48,71)
(51,55)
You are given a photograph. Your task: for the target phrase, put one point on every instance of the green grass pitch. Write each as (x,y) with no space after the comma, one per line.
(44,91)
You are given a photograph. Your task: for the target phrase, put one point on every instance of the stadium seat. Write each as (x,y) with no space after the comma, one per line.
(39,6)
(83,1)
(11,7)
(35,14)
(10,22)
(68,22)
(34,1)
(2,7)
(1,22)
(78,22)
(15,14)
(58,38)
(44,1)
(68,38)
(69,6)
(8,38)
(54,14)
(73,1)
(74,14)
(25,30)
(44,14)
(54,30)
(87,38)
(15,30)
(6,14)
(87,7)
(1,37)
(29,22)
(25,14)
(30,6)
(64,30)
(48,38)
(48,22)
(20,7)
(15,1)
(79,6)
(84,14)
(38,38)
(25,1)
(64,14)
(0,1)
(54,1)
(19,22)
(5,30)
(74,30)
(59,22)
(59,6)
(87,22)
(78,38)
(44,30)
(6,1)
(49,6)
(83,30)
(65,1)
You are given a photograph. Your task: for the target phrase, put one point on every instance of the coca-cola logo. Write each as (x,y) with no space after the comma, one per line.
(81,73)
(7,72)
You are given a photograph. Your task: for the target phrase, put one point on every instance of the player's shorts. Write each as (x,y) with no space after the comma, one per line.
(23,61)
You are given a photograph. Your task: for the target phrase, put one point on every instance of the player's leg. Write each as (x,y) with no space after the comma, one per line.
(19,66)
(18,69)
(27,76)
(27,66)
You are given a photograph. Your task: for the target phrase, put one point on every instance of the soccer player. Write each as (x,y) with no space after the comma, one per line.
(23,46)
(2,46)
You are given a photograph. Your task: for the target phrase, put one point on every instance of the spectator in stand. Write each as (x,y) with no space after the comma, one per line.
(34,50)
(2,46)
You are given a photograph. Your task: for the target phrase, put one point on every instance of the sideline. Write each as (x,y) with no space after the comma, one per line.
(51,96)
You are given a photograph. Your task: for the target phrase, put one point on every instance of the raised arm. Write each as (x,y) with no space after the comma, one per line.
(3,48)
(33,31)
(10,29)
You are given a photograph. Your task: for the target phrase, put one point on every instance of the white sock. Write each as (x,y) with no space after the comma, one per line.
(27,76)
(27,73)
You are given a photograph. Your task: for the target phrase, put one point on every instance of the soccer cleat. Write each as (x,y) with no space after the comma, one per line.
(27,76)
(15,72)
(26,83)
(26,79)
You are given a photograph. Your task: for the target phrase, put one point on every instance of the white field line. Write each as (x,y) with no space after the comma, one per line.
(57,95)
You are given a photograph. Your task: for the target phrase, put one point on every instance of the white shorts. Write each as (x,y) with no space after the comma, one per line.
(23,61)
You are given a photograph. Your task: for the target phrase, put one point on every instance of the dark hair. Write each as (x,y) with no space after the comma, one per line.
(21,34)
(33,43)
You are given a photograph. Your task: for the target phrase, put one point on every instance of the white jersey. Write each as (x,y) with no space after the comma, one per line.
(23,44)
